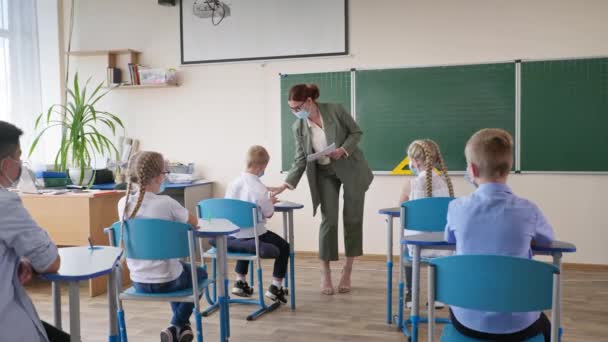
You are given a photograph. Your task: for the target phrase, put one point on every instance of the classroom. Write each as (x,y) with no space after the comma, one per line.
(325,166)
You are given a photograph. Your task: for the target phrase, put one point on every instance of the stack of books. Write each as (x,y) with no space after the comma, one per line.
(52,179)
(134,73)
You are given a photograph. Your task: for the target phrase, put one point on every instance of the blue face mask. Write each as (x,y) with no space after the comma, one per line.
(469,179)
(302,114)
(163,187)
(260,174)
(414,170)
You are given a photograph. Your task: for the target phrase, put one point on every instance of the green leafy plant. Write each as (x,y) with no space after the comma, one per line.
(81,140)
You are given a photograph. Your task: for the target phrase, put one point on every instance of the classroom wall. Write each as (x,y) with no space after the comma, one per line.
(221,109)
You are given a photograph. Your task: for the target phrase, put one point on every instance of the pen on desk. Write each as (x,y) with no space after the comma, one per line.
(90,243)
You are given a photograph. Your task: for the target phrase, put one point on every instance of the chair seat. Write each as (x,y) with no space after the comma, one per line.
(450,334)
(423,260)
(132,294)
(212,253)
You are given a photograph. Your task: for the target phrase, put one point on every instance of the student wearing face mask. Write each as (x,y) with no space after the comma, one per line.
(318,126)
(146,182)
(248,187)
(25,249)
(425,157)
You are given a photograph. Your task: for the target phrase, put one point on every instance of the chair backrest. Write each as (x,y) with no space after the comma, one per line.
(240,213)
(425,214)
(153,239)
(494,283)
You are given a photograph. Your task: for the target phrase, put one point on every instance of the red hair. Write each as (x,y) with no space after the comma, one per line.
(301,92)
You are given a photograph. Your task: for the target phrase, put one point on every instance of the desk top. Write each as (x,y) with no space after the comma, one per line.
(110,186)
(79,194)
(83,263)
(394,212)
(215,227)
(284,206)
(437,239)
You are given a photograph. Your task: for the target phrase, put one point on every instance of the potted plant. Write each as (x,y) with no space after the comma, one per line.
(81,140)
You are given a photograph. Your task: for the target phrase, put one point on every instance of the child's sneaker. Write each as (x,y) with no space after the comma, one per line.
(169,335)
(408,300)
(276,294)
(242,289)
(185,334)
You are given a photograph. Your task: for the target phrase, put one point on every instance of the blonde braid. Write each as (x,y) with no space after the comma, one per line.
(143,167)
(126,207)
(428,163)
(444,170)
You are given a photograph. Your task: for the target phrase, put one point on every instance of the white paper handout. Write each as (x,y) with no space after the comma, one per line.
(316,156)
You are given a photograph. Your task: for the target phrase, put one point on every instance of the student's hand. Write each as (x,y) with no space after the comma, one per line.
(277,190)
(25,271)
(274,199)
(337,154)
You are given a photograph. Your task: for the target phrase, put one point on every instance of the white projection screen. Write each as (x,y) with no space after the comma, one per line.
(263,29)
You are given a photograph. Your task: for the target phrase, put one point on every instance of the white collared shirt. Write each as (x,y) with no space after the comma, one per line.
(249,188)
(319,140)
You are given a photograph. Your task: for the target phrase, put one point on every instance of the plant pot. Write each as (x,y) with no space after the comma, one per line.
(74,173)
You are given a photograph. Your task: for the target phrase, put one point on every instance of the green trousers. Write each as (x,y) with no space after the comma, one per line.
(329,191)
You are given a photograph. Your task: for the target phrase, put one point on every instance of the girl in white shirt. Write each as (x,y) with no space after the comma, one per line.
(425,157)
(147,174)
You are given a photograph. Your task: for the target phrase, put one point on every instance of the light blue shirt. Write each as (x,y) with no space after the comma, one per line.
(494,221)
(20,237)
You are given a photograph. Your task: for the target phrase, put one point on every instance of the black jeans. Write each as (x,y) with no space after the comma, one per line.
(541,326)
(272,246)
(54,334)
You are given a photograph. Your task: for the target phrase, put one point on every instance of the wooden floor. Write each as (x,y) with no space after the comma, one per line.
(358,316)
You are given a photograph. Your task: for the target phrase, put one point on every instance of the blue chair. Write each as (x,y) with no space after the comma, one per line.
(427,215)
(153,239)
(493,283)
(245,216)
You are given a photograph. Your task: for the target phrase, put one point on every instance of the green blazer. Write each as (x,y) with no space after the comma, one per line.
(340,128)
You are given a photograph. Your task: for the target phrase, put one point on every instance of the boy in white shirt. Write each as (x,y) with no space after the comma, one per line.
(248,187)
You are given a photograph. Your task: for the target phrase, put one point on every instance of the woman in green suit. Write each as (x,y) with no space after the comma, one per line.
(320,125)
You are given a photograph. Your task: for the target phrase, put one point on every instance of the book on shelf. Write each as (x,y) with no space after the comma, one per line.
(114,76)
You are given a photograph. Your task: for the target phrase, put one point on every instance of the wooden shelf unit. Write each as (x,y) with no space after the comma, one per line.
(112,55)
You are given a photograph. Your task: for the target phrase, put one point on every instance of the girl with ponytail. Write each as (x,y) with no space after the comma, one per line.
(145,181)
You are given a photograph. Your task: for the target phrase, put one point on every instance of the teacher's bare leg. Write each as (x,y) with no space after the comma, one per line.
(329,191)
(353,234)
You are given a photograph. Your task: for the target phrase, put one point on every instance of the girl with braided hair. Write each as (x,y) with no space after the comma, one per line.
(146,179)
(425,157)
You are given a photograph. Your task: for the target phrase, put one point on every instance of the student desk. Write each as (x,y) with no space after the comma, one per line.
(287,209)
(71,218)
(84,263)
(187,195)
(390,214)
(436,241)
(220,229)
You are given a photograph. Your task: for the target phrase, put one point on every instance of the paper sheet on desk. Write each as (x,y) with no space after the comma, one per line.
(316,156)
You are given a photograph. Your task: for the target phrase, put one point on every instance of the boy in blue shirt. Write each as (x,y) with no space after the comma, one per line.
(494,221)
(25,248)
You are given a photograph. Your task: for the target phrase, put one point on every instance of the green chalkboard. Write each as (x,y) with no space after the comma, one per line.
(446,104)
(564,115)
(335,87)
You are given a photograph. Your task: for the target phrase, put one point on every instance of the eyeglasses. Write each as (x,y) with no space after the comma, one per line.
(166,173)
(297,108)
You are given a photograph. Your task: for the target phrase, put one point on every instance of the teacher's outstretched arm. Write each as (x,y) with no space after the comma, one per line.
(297,167)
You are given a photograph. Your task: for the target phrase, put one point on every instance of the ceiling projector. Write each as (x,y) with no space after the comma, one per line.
(210,9)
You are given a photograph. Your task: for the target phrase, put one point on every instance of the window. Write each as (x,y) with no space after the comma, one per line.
(4,62)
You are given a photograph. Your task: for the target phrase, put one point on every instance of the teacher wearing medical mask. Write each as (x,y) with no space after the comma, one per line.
(318,126)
